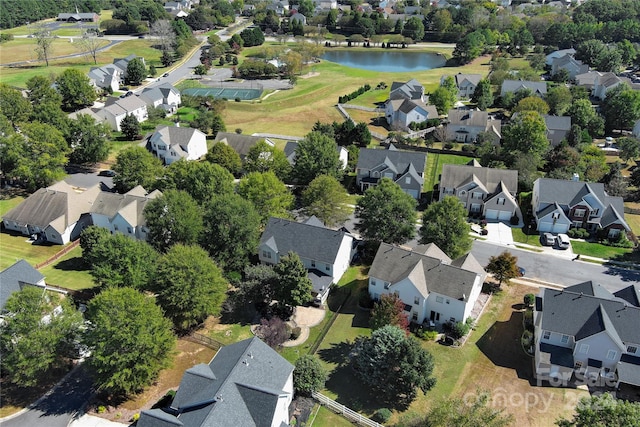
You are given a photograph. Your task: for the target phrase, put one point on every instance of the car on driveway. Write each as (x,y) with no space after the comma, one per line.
(548,239)
(563,241)
(108,173)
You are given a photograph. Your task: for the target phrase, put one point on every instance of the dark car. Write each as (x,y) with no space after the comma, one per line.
(108,173)
(165,75)
(521,271)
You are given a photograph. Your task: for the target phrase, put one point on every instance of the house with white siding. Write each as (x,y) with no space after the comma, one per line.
(172,143)
(116,109)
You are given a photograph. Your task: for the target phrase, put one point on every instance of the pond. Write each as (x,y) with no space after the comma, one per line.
(390,61)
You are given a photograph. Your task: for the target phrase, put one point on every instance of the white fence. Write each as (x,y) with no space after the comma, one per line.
(349,414)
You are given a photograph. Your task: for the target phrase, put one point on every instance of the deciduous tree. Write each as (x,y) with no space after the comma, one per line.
(130,127)
(482,95)
(477,411)
(309,375)
(89,141)
(389,310)
(76,90)
(263,157)
(444,223)
(225,156)
(136,166)
(44,42)
(173,218)
(316,155)
(603,410)
(294,286)
(532,103)
(267,193)
(504,267)
(327,199)
(629,148)
(129,338)
(527,133)
(13,105)
(621,107)
(559,99)
(202,180)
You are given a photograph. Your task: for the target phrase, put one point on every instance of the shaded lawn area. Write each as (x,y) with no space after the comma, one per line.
(15,247)
(69,272)
(323,417)
(603,251)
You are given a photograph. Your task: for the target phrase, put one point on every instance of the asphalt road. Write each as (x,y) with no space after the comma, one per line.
(58,408)
(557,270)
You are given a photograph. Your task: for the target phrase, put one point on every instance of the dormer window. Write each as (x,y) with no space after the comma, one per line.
(555,215)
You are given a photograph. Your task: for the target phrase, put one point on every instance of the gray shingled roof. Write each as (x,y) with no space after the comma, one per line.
(629,369)
(410,90)
(174,136)
(241,143)
(307,240)
(11,278)
(393,264)
(516,85)
(453,176)
(581,315)
(557,122)
(40,208)
(160,92)
(239,387)
(631,294)
(369,158)
(471,78)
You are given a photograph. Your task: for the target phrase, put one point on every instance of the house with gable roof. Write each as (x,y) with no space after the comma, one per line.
(405,168)
(407,103)
(464,125)
(164,95)
(246,384)
(590,334)
(466,84)
(512,86)
(561,204)
(325,253)
(112,75)
(16,277)
(242,144)
(172,143)
(487,191)
(604,83)
(570,64)
(433,287)
(116,109)
(558,54)
(587,79)
(558,128)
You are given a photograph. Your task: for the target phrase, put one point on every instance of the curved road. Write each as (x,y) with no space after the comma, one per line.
(73,55)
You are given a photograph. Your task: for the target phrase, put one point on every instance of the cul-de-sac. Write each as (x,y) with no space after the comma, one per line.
(270,213)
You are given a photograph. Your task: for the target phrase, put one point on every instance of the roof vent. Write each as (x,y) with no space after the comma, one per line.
(245,362)
(250,355)
(219,398)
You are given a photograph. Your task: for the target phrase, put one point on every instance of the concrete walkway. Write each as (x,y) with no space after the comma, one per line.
(93,421)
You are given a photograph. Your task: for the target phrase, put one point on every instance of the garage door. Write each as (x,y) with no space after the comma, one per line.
(491,214)
(504,215)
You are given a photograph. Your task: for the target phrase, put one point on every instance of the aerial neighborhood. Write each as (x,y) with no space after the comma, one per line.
(320,212)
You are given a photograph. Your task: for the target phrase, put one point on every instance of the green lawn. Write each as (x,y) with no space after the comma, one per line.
(602,251)
(520,236)
(7,204)
(433,169)
(15,247)
(323,417)
(69,272)
(634,222)
(230,333)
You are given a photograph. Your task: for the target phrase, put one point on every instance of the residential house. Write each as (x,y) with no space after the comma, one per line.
(240,143)
(116,109)
(487,191)
(16,277)
(165,96)
(604,83)
(400,113)
(558,54)
(59,213)
(280,7)
(111,76)
(298,17)
(325,253)
(588,79)
(290,152)
(246,384)
(86,111)
(432,286)
(561,204)
(411,90)
(466,84)
(78,17)
(570,64)
(464,125)
(558,128)
(586,333)
(172,143)
(405,168)
(512,86)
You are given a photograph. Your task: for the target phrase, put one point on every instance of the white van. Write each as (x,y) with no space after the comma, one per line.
(563,241)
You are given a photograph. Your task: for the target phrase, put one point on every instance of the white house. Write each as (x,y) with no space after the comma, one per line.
(558,54)
(432,286)
(246,384)
(112,75)
(573,66)
(604,83)
(400,113)
(586,333)
(512,86)
(165,96)
(116,109)
(325,253)
(466,84)
(172,143)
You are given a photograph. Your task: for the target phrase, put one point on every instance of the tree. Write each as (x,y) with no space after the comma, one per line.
(165,36)
(629,148)
(173,218)
(90,238)
(136,72)
(583,115)
(189,286)
(527,133)
(88,140)
(393,364)
(444,97)
(273,331)
(233,230)
(309,375)
(30,345)
(294,286)
(386,214)
(463,412)
(469,47)
(504,267)
(603,410)
(75,89)
(482,95)
(389,310)
(130,127)
(559,99)
(90,45)
(413,28)
(532,103)
(263,157)
(267,193)
(444,223)
(621,107)
(44,42)
(209,122)
(136,166)
(201,180)
(593,164)
(326,199)
(614,183)
(200,70)
(13,105)
(129,339)
(225,156)
(120,261)
(257,287)
(316,155)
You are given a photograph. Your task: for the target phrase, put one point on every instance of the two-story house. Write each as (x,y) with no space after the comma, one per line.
(464,125)
(558,128)
(325,253)
(246,384)
(16,277)
(172,143)
(116,109)
(432,286)
(405,168)
(558,54)
(486,191)
(242,144)
(570,64)
(586,333)
(111,76)
(466,84)
(407,104)
(512,86)
(165,96)
(561,204)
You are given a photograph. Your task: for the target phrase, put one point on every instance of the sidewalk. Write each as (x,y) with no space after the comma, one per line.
(93,421)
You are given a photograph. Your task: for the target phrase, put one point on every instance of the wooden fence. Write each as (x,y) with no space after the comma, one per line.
(58,255)
(204,340)
(340,409)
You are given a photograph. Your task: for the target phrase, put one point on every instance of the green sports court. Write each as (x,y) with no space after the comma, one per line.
(225,93)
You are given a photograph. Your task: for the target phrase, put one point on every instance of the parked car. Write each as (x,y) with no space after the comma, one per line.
(548,239)
(108,173)
(165,75)
(563,241)
(521,271)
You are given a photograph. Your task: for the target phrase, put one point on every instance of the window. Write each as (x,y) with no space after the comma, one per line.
(564,339)
(416,300)
(501,200)
(447,301)
(611,354)
(439,299)
(547,335)
(414,316)
(373,282)
(595,212)
(327,267)
(129,230)
(579,213)
(407,180)
(477,196)
(462,193)
(632,349)
(266,254)
(313,263)
(584,348)
(115,227)
(387,285)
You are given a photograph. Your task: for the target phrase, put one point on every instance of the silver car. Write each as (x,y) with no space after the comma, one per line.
(548,239)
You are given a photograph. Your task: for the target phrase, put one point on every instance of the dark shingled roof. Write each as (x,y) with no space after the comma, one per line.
(560,356)
(631,294)
(40,208)
(399,160)
(241,143)
(308,240)
(454,176)
(12,277)
(393,264)
(239,387)
(409,90)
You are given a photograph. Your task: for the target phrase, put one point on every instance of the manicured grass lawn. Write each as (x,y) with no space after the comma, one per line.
(15,247)
(599,250)
(521,237)
(634,222)
(69,272)
(230,333)
(7,204)
(323,417)
(433,168)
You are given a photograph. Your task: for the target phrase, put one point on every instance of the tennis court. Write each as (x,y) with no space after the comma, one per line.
(224,92)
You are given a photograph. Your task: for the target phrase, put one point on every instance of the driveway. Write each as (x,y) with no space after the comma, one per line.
(499,232)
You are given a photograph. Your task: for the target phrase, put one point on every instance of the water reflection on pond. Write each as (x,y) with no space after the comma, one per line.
(394,61)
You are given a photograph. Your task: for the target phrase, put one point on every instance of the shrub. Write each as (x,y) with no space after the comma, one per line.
(295,333)
(527,339)
(135,417)
(382,415)
(620,241)
(458,330)
(448,145)
(237,99)
(102,409)
(468,148)
(529,299)
(514,220)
